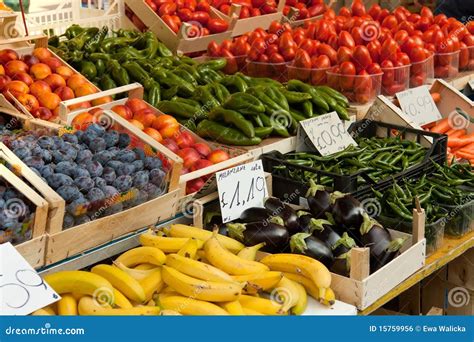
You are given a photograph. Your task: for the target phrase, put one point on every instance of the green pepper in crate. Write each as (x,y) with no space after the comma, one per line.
(106,82)
(89,70)
(93,44)
(119,74)
(78,42)
(234,118)
(225,135)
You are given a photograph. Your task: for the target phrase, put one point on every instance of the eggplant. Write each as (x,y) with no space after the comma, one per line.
(390,252)
(274,236)
(305,219)
(212,219)
(348,214)
(319,200)
(255,215)
(342,264)
(287,213)
(306,244)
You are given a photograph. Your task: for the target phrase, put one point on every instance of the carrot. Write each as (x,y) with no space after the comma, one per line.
(429,126)
(436,97)
(442,126)
(469,147)
(458,134)
(451,131)
(465,155)
(460,142)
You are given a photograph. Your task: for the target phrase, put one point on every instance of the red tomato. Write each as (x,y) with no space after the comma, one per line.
(344,54)
(417,54)
(428,36)
(257,48)
(226,44)
(383,14)
(426,13)
(363,87)
(231,66)
(463,56)
(345,39)
(271,49)
(152,5)
(390,22)
(168,20)
(254,35)
(184,14)
(240,48)
(255,12)
(316,10)
(456,43)
(403,58)
(469,39)
(423,24)
(275,27)
(374,69)
(321,62)
(374,11)
(289,54)
(389,48)
(413,18)
(204,6)
(216,25)
(345,12)
(258,3)
(374,48)
(322,31)
(286,41)
(358,35)
(329,14)
(400,14)
(190,4)
(348,70)
(308,45)
(361,57)
(325,49)
(225,8)
(213,49)
(168,8)
(333,42)
(358,8)
(158,3)
(276,58)
(244,12)
(407,26)
(470,27)
(400,37)
(200,17)
(388,73)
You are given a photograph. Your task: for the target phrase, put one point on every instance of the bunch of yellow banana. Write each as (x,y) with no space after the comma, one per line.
(190,271)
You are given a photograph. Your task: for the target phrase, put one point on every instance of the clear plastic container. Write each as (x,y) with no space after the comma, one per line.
(312,76)
(466,59)
(358,89)
(446,65)
(276,71)
(239,64)
(395,79)
(460,220)
(422,72)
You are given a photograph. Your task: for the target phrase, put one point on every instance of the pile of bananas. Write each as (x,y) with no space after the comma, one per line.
(185,270)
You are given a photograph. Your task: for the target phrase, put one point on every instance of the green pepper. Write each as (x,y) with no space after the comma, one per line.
(219,92)
(245,104)
(153,91)
(185,75)
(234,84)
(147,45)
(307,107)
(257,121)
(78,42)
(294,97)
(297,85)
(136,72)
(205,97)
(126,33)
(73,31)
(225,135)
(93,44)
(112,44)
(101,67)
(207,76)
(119,74)
(53,41)
(190,102)
(179,108)
(277,96)
(168,94)
(234,118)
(163,51)
(263,132)
(88,69)
(335,94)
(214,64)
(106,82)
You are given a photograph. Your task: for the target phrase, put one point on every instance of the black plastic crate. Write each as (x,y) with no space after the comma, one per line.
(283,184)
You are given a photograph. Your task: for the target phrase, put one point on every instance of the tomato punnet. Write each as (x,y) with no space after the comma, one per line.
(389,49)
(361,57)
(358,8)
(363,87)
(388,76)
(374,69)
(325,49)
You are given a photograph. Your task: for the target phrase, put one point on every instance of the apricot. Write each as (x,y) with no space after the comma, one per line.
(42,53)
(39,87)
(49,100)
(55,81)
(64,71)
(85,89)
(15,67)
(65,93)
(29,102)
(40,71)
(75,81)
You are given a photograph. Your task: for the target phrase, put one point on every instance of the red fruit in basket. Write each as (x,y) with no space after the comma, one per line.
(42,113)
(271,49)
(184,14)
(52,62)
(213,49)
(7,55)
(30,60)
(172,24)
(255,12)
(389,49)
(403,58)
(153,133)
(40,71)
(469,39)
(325,49)
(203,149)
(17,88)
(316,10)
(24,77)
(189,156)
(417,54)
(64,71)
(194,185)
(40,87)
(49,100)
(345,12)
(374,48)
(145,116)
(216,25)
(320,62)
(244,13)
(124,111)
(170,145)
(201,164)
(345,39)
(302,59)
(65,93)
(204,6)
(136,105)
(358,8)
(363,87)
(28,101)
(275,27)
(152,5)
(184,139)
(200,17)
(388,73)
(15,67)
(240,48)
(4,80)
(217,156)
(55,81)
(375,10)
(276,58)
(361,57)
(137,124)
(168,8)
(463,56)
(347,70)
(42,53)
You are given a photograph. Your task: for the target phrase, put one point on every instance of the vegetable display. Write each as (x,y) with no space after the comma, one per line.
(188,271)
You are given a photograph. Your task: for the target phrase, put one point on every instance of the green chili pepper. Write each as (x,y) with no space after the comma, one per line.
(94,44)
(245,104)
(234,118)
(225,135)
(106,82)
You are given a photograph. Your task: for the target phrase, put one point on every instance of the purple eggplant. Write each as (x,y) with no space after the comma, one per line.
(212,220)
(255,215)
(274,236)
(306,244)
(390,252)
(319,200)
(347,213)
(287,213)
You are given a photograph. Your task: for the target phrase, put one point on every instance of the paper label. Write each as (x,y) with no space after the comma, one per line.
(418,104)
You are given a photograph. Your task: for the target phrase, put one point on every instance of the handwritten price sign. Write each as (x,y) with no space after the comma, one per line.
(241,187)
(326,133)
(22,291)
(418,104)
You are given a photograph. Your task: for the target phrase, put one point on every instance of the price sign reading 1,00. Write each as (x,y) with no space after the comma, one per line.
(243,194)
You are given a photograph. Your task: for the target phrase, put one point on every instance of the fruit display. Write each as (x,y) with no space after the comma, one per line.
(305,9)
(249,8)
(183,270)
(198,14)
(39,81)
(97,171)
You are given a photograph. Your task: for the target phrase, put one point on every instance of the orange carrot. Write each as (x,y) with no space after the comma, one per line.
(465,155)
(460,142)
(442,126)
(429,126)
(458,134)
(469,147)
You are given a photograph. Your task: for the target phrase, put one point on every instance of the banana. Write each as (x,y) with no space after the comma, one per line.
(121,301)
(183,231)
(166,244)
(258,282)
(169,313)
(300,264)
(233,308)
(43,312)
(77,296)
(302,303)
(329,297)
(223,259)
(250,312)
(250,253)
(287,293)
(141,255)
(152,283)
(197,269)
(81,282)
(189,306)
(201,256)
(144,267)
(133,272)
(169,289)
(67,306)
(203,290)
(190,248)
(89,307)
(122,281)
(262,305)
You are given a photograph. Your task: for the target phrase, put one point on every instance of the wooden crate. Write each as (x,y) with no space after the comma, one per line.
(294,12)
(33,250)
(362,289)
(22,46)
(238,155)
(177,42)
(243,26)
(461,270)
(65,243)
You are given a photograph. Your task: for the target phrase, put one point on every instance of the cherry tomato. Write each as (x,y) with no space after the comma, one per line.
(413,18)
(167,9)
(257,48)
(374,69)
(400,37)
(407,26)
(400,14)
(168,20)
(374,11)
(329,14)
(316,10)
(344,54)
(244,12)
(383,14)
(204,6)
(403,58)
(322,32)
(308,45)
(345,39)
(320,62)
(325,49)
(276,58)
(231,66)
(361,57)
(286,42)
(374,48)
(302,61)
(213,49)
(388,73)
(363,88)
(275,27)
(346,80)
(216,25)
(225,8)
(271,49)
(333,42)
(190,4)
(226,44)
(469,40)
(389,48)
(470,27)
(152,5)
(358,8)
(390,22)
(358,35)
(184,14)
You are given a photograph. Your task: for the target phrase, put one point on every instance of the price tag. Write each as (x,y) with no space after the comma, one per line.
(418,104)
(326,133)
(22,290)
(241,187)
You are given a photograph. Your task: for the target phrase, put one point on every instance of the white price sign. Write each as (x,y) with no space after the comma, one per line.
(418,104)
(241,187)
(22,290)
(326,133)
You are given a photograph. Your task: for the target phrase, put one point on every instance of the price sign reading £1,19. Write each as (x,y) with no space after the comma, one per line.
(22,291)
(418,104)
(326,133)
(241,187)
